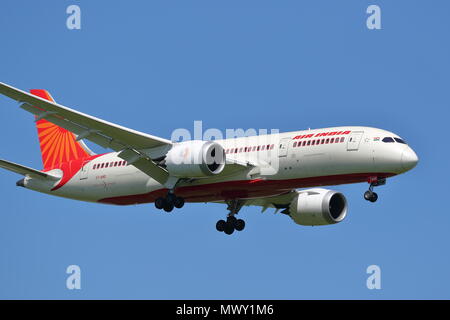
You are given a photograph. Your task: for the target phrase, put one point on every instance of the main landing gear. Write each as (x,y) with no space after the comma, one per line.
(232,223)
(169,202)
(369,195)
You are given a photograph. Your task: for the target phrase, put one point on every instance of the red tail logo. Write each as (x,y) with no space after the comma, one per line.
(57,144)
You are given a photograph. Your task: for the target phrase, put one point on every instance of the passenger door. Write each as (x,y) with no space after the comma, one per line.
(284,146)
(84,171)
(354,140)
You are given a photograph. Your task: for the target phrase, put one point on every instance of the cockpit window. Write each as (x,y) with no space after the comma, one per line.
(388,139)
(399,140)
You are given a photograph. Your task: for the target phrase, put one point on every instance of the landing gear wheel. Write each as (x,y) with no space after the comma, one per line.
(231,223)
(159,203)
(229,228)
(168,206)
(169,202)
(220,225)
(178,202)
(239,225)
(370,196)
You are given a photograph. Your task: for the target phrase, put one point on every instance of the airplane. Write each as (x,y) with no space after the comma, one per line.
(269,171)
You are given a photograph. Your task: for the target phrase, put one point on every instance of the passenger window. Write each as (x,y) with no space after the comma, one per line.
(295,144)
(309,143)
(388,140)
(342,139)
(332,140)
(327,141)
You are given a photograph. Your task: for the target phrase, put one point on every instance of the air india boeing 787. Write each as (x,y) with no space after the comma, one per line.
(264,170)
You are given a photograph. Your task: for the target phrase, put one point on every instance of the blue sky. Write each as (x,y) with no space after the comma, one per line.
(156,66)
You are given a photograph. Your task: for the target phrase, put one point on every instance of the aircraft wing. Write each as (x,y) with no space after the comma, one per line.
(25,171)
(103,133)
(278,202)
(106,134)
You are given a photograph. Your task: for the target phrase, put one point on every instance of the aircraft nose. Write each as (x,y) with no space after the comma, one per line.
(409,159)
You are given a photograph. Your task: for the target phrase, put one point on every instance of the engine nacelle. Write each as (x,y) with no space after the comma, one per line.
(315,207)
(195,159)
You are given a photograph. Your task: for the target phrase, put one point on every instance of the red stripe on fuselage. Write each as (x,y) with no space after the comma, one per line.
(244,189)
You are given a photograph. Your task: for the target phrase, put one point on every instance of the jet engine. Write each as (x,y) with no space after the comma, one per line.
(316,207)
(195,159)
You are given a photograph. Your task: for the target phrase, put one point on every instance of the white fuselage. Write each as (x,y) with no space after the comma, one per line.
(284,161)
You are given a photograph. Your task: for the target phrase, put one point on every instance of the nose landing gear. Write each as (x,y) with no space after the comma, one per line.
(232,223)
(370,195)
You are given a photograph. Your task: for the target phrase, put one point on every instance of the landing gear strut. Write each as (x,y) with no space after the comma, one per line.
(369,195)
(169,202)
(232,223)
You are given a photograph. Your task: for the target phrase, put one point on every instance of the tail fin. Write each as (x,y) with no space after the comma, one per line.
(57,144)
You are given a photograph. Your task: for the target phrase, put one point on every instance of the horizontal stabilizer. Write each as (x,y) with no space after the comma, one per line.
(25,171)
